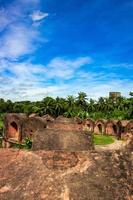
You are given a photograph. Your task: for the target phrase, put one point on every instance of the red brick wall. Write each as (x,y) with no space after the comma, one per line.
(65,126)
(111,129)
(12,133)
(97,129)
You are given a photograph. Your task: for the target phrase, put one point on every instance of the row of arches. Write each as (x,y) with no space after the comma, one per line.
(109,127)
(18,126)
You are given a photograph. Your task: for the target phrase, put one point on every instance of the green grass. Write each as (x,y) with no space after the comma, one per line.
(103,139)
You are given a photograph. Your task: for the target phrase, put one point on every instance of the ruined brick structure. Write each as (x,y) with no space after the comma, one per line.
(89,124)
(63,134)
(111,127)
(99,126)
(62,140)
(59,134)
(68,124)
(20,126)
(13,126)
(119,128)
(31,125)
(62,163)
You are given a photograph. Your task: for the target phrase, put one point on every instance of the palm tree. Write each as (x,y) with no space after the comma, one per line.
(60,106)
(131,94)
(47,106)
(101,104)
(82,100)
(70,101)
(91,106)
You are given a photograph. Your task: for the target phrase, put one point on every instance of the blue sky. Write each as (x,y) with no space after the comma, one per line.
(58,48)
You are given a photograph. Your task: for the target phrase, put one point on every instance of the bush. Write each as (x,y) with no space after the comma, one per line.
(26,145)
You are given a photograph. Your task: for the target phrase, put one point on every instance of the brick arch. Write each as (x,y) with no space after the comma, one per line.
(13,131)
(112,127)
(129,127)
(89,124)
(13,127)
(99,127)
(122,128)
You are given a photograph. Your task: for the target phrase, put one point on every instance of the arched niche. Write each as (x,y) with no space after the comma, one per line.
(13,131)
(112,128)
(99,127)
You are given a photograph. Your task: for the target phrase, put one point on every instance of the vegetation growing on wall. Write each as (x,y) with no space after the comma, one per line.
(27,144)
(105,107)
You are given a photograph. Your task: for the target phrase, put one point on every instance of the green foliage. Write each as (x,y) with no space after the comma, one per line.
(107,108)
(103,139)
(131,94)
(27,144)
(1,123)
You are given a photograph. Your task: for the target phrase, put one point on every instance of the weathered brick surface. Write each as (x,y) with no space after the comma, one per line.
(99,127)
(66,124)
(55,139)
(89,125)
(13,126)
(58,159)
(51,176)
(111,127)
(19,126)
(31,125)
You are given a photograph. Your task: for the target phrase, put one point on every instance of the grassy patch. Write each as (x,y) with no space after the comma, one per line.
(103,139)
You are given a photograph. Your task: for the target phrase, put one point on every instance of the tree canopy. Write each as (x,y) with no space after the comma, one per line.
(104,107)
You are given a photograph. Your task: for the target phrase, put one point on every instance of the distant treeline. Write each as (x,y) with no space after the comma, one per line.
(81,106)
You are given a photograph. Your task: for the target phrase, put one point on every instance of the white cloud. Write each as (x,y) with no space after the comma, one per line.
(96,88)
(119,65)
(4,19)
(65,68)
(19,36)
(17,42)
(38,15)
(61,76)
(27,81)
